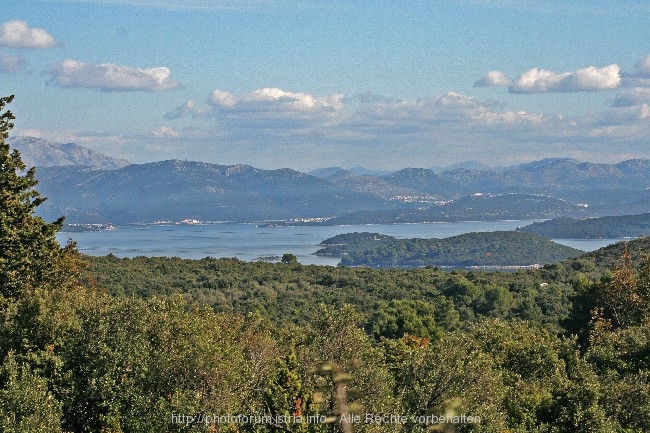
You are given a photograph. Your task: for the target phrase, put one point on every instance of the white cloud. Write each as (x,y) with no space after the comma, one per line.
(165,132)
(268,109)
(494,79)
(219,98)
(451,109)
(587,79)
(110,77)
(9,63)
(277,100)
(18,34)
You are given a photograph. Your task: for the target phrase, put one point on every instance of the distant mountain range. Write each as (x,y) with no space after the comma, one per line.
(177,190)
(88,187)
(37,152)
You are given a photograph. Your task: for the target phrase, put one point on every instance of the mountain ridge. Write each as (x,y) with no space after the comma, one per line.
(93,188)
(38,152)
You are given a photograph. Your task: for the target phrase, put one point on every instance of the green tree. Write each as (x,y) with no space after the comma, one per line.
(26,405)
(401,317)
(289,259)
(30,255)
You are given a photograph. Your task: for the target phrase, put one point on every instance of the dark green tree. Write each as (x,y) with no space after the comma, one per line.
(289,259)
(30,255)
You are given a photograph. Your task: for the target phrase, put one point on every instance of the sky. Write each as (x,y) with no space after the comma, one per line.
(319,83)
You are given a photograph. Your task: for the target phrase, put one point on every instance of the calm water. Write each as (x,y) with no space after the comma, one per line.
(250,242)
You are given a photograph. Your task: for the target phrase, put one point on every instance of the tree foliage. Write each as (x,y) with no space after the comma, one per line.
(30,255)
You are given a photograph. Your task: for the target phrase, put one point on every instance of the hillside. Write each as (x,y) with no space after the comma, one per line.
(592,228)
(490,249)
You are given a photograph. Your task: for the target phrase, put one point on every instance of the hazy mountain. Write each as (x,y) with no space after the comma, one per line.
(177,190)
(555,174)
(42,153)
(466,165)
(375,186)
(87,187)
(425,181)
(361,171)
(326,172)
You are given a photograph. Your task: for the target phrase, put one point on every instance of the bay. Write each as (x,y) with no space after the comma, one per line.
(250,242)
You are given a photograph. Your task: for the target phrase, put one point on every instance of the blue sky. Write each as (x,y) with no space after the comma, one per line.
(308,84)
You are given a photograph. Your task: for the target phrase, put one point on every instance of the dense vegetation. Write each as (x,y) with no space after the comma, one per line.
(492,249)
(625,226)
(170,345)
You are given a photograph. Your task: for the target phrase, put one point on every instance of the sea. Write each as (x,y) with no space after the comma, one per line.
(252,242)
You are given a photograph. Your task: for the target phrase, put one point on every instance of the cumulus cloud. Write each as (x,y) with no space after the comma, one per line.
(268,109)
(9,63)
(450,108)
(222,99)
(110,77)
(494,79)
(274,99)
(587,79)
(18,34)
(165,132)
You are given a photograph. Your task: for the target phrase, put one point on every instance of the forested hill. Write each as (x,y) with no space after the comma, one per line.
(592,228)
(492,249)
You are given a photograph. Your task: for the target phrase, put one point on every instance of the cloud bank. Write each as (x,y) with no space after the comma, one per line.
(271,112)
(109,77)
(18,34)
